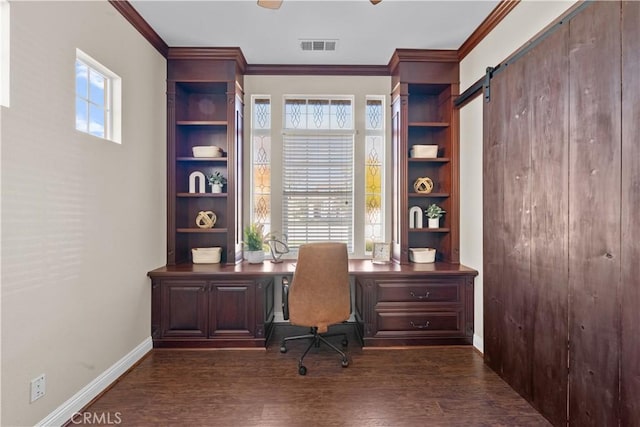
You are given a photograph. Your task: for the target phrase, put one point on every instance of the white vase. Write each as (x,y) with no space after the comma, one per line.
(434,222)
(216,188)
(254,257)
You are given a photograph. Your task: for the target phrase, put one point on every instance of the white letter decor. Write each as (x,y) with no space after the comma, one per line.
(196,176)
(415,217)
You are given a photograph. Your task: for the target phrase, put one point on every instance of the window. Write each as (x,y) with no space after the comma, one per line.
(319,178)
(261,161)
(317,171)
(97,99)
(374,172)
(4,52)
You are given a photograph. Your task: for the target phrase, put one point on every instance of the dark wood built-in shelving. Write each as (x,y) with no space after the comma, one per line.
(232,303)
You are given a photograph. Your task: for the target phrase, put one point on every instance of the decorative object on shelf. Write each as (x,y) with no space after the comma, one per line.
(434,212)
(254,243)
(277,245)
(217,181)
(423,185)
(381,253)
(206,219)
(196,178)
(415,217)
(424,151)
(422,255)
(206,151)
(206,255)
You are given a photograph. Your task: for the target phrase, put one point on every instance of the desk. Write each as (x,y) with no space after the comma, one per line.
(217,305)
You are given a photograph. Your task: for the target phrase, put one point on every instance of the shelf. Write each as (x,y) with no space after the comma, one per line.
(201,122)
(429,160)
(202,159)
(429,230)
(429,124)
(426,195)
(202,230)
(196,195)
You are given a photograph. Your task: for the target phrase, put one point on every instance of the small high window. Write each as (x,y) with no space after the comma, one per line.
(97,99)
(4,52)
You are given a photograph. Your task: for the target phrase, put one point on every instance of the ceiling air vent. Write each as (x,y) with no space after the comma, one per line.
(318,45)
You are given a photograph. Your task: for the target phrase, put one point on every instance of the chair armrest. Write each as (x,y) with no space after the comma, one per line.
(285,298)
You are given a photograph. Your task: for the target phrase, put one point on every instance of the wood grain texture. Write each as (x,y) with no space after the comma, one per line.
(630,323)
(526,191)
(594,215)
(517,228)
(548,103)
(493,228)
(435,386)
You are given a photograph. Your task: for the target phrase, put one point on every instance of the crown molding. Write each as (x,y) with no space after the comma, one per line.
(317,70)
(497,14)
(134,18)
(421,55)
(220,53)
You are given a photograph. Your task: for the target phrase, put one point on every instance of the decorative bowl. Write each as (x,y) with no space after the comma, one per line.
(424,151)
(206,151)
(206,255)
(422,255)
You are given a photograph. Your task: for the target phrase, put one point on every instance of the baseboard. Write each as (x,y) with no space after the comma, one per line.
(82,398)
(478,343)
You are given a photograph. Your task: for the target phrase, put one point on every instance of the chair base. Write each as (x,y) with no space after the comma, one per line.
(316,339)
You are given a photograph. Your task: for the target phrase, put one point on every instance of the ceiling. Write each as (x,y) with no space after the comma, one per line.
(366,34)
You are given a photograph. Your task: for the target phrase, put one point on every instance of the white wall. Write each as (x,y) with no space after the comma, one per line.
(522,24)
(83,219)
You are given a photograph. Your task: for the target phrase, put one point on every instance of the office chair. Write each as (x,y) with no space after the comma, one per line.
(318,296)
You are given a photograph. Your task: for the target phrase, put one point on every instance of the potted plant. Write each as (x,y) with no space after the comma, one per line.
(254,243)
(434,212)
(216,181)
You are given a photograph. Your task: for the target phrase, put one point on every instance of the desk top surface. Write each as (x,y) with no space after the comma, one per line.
(356,266)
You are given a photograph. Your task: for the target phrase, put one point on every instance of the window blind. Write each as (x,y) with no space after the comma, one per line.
(317,178)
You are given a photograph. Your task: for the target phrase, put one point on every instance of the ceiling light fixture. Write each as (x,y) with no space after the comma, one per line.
(270,4)
(275,4)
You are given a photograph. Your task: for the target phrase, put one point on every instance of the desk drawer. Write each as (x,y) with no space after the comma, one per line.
(420,322)
(417,291)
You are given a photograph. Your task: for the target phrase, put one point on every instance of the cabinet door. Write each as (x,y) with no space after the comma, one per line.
(184,309)
(232,309)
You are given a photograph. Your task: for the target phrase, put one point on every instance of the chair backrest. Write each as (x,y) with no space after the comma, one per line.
(320,293)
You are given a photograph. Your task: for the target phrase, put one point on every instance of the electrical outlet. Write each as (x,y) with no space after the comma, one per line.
(37,388)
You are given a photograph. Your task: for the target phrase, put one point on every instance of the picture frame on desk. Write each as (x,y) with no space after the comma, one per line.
(381,253)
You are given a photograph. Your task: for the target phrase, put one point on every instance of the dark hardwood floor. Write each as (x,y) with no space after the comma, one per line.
(427,386)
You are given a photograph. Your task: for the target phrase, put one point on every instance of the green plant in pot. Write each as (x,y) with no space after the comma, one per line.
(434,213)
(254,243)
(216,181)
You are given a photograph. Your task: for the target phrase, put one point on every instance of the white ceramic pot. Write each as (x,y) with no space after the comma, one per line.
(216,188)
(254,257)
(434,222)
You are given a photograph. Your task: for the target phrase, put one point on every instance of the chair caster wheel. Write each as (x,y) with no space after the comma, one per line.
(283,349)
(345,363)
(345,342)
(302,370)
